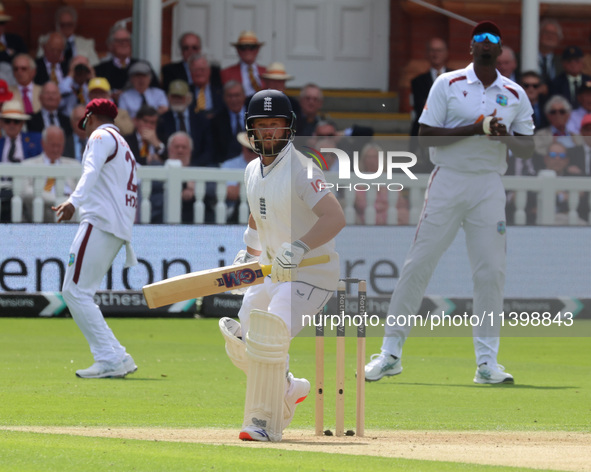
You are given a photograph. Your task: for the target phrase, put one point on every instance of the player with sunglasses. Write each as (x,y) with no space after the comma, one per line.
(247,71)
(471,117)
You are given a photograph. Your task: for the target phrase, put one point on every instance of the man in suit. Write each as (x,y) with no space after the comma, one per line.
(228,122)
(531,82)
(311,100)
(10,44)
(49,115)
(74,88)
(548,61)
(569,81)
(247,71)
(76,142)
(51,65)
(182,117)
(26,91)
(189,44)
(66,20)
(208,97)
(52,141)
(115,69)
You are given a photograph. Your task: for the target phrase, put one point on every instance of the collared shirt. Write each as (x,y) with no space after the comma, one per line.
(131,100)
(121,65)
(248,88)
(237,121)
(19,152)
(185,115)
(58,161)
(208,99)
(58,70)
(47,120)
(188,72)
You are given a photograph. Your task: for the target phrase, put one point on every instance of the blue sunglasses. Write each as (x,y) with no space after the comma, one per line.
(493,38)
(553,154)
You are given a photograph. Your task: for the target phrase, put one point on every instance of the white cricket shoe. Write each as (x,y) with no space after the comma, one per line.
(107,370)
(129,364)
(492,375)
(297,391)
(382,365)
(254,433)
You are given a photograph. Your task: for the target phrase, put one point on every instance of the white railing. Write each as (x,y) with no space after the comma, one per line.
(545,186)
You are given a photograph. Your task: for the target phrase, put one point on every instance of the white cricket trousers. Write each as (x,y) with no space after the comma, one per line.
(477,203)
(91,254)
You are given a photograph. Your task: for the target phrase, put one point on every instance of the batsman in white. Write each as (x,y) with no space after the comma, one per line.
(292,218)
(478,113)
(106,196)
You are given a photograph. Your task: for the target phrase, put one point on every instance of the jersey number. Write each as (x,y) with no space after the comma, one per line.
(130,185)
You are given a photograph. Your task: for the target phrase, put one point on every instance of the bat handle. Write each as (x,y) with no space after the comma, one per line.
(306,262)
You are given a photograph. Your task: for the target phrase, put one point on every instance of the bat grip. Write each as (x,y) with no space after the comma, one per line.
(306,262)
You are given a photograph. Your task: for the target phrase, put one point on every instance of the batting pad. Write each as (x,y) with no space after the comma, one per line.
(267,343)
(235,347)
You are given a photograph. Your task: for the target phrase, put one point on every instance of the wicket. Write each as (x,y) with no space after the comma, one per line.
(340,361)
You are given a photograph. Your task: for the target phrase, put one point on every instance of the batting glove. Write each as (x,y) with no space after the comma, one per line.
(284,268)
(243,257)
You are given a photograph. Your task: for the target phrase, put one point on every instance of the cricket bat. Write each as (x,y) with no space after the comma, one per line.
(212,281)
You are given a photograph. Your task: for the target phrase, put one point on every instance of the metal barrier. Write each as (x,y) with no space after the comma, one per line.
(211,186)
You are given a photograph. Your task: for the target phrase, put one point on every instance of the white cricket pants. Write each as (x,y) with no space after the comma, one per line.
(477,203)
(91,254)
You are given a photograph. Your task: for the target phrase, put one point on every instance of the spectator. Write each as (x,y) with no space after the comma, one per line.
(76,142)
(182,117)
(247,71)
(51,65)
(49,115)
(189,44)
(141,94)
(116,68)
(581,155)
(557,111)
(10,44)
(66,20)
(229,122)
(99,87)
(569,81)
(371,154)
(144,143)
(507,64)
(532,84)
(548,62)
(311,100)
(275,76)
(74,88)
(52,142)
(26,91)
(584,100)
(208,97)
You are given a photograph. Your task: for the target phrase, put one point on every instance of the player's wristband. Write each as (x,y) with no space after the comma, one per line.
(486,125)
(302,245)
(251,239)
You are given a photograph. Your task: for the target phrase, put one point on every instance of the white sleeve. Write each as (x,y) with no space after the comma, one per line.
(523,122)
(312,190)
(100,146)
(435,111)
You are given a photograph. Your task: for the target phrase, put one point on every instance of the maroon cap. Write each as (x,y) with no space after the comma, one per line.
(99,106)
(486,27)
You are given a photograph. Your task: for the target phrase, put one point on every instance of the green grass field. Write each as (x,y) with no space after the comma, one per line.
(186,381)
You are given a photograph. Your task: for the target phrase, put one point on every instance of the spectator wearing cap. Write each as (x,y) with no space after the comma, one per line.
(246,71)
(66,20)
(141,94)
(115,69)
(182,117)
(51,65)
(76,142)
(74,88)
(98,87)
(26,91)
(10,44)
(276,77)
(49,115)
(189,45)
(584,101)
(229,122)
(569,81)
(208,97)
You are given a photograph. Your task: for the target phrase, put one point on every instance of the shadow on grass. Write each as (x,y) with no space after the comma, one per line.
(512,386)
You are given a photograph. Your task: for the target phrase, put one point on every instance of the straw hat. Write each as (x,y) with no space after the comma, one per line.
(276,71)
(3,15)
(247,38)
(13,109)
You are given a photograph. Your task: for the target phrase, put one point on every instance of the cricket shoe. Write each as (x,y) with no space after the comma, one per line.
(492,375)
(107,370)
(129,364)
(254,433)
(297,391)
(382,365)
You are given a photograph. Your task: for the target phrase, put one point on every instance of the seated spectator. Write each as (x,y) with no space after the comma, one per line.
(507,64)
(275,76)
(208,97)
(532,84)
(49,115)
(229,122)
(26,91)
(311,100)
(115,69)
(569,81)
(99,87)
(52,142)
(246,71)
(74,88)
(581,155)
(371,154)
(548,61)
(240,162)
(76,142)
(584,101)
(189,44)
(557,111)
(182,117)
(141,94)
(51,65)
(10,44)
(144,143)
(66,21)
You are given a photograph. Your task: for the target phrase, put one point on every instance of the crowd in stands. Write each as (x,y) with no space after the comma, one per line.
(193,111)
